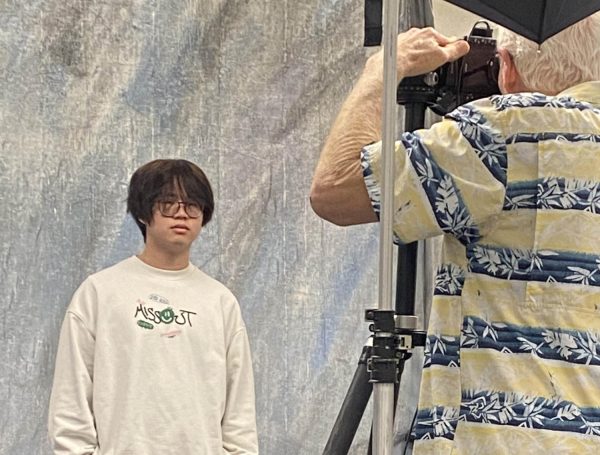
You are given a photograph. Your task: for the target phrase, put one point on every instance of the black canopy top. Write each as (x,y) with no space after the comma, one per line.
(537,20)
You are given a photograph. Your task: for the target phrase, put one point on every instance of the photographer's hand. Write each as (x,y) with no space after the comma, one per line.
(419,51)
(338,192)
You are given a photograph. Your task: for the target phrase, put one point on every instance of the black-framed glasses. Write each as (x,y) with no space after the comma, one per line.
(169,208)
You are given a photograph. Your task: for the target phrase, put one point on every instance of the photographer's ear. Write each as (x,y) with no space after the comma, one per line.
(509,79)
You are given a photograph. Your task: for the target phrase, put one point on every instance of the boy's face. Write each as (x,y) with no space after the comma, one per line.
(176,223)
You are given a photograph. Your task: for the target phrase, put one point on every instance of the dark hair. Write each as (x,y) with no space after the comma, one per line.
(162,177)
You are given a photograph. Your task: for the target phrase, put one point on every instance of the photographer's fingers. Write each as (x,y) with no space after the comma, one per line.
(455,50)
(441,39)
(423,50)
(452,47)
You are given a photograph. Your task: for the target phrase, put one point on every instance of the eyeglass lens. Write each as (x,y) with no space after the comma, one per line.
(170,208)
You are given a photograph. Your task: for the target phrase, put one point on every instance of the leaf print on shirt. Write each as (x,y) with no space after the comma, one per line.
(577,347)
(554,193)
(450,211)
(441,350)
(527,411)
(488,258)
(581,275)
(521,201)
(446,200)
(470,337)
(503,102)
(485,140)
(425,173)
(562,342)
(587,347)
(449,280)
(542,265)
(436,422)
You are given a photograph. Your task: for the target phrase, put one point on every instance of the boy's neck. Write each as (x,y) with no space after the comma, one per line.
(163,260)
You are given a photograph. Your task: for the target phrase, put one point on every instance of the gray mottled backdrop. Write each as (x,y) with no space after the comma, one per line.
(92,89)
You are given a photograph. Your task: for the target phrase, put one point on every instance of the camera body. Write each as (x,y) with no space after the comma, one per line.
(471,77)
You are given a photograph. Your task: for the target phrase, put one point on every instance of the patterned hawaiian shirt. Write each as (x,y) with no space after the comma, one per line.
(512,361)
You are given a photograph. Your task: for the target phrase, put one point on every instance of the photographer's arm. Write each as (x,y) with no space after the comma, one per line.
(338,192)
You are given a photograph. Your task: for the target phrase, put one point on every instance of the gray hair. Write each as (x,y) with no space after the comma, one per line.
(562,61)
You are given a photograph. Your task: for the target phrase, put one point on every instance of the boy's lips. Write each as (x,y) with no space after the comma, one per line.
(180,226)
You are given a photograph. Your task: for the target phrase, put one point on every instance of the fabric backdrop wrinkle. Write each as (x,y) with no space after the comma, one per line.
(92,89)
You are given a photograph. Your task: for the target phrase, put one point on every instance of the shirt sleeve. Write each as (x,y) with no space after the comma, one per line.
(449,179)
(239,419)
(71,425)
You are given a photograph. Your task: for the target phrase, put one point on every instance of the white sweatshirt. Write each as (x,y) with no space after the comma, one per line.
(151,362)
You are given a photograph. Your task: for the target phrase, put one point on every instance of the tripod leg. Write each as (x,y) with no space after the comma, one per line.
(352,410)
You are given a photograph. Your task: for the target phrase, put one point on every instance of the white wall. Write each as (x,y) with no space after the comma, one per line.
(452,20)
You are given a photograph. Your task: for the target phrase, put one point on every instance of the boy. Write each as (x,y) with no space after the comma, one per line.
(153,355)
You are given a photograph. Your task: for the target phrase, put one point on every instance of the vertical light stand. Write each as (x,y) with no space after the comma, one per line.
(383,410)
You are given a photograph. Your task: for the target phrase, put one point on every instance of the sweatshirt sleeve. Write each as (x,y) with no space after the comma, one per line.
(239,420)
(70,420)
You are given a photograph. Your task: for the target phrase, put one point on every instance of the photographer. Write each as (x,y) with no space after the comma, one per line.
(512,182)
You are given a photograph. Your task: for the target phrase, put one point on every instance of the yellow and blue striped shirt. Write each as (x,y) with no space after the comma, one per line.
(512,361)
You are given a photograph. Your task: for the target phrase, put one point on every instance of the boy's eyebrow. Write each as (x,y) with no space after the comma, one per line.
(176,196)
(170,194)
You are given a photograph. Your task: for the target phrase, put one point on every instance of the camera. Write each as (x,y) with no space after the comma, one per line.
(471,77)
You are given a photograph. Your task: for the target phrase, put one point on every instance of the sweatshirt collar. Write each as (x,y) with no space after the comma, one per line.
(147,269)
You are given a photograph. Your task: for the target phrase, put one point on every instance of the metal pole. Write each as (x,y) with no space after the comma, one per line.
(383,409)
